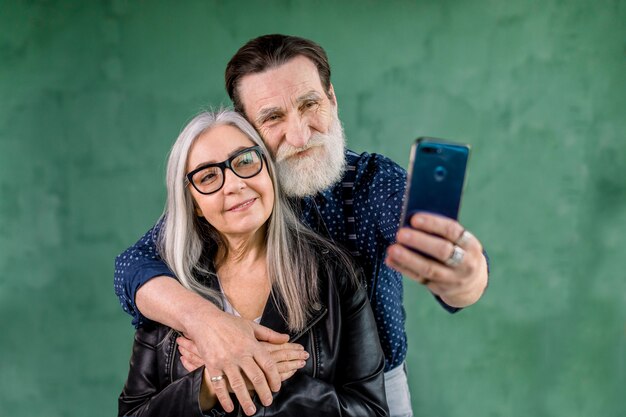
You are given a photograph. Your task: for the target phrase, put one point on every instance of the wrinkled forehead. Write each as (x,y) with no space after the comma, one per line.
(279,86)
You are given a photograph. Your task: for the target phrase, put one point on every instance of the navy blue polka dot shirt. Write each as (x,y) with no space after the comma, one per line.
(374,207)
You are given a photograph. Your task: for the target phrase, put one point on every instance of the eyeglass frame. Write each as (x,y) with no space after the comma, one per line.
(226,164)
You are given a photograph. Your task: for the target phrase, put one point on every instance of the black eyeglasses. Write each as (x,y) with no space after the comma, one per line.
(209,178)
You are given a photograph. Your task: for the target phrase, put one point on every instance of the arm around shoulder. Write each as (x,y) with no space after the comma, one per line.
(136,266)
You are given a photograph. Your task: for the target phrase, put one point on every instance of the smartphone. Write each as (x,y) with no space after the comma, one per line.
(436,178)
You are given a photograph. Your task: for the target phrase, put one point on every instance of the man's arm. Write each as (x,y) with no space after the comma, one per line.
(136,266)
(228,345)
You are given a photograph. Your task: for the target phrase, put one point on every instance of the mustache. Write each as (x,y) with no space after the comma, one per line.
(287,151)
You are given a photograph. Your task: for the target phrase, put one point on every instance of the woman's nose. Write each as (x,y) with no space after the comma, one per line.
(232,183)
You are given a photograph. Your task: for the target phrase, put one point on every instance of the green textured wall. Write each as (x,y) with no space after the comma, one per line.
(92,94)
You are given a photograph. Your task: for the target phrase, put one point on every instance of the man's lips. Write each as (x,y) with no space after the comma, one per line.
(243,205)
(301,154)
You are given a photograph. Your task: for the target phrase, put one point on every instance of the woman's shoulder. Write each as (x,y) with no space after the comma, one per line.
(336,268)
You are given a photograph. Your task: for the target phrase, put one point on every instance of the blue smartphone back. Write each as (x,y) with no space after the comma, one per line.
(436,178)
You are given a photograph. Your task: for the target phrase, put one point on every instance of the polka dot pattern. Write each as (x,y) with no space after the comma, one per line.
(134,267)
(378,194)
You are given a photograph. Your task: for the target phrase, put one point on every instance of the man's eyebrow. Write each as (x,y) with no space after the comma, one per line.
(264,113)
(311,95)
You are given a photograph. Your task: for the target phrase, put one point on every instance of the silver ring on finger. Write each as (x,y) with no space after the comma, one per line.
(217,378)
(464,238)
(456,258)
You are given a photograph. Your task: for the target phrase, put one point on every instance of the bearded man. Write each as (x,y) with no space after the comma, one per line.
(281,84)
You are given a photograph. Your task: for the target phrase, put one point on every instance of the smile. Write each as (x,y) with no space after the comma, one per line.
(243,206)
(304,153)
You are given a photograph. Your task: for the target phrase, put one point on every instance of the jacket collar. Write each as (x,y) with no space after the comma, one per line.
(273,319)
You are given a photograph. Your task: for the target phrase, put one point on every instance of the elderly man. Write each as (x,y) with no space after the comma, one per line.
(282,85)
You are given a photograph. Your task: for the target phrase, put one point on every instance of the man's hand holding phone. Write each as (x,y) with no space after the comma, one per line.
(432,247)
(458,284)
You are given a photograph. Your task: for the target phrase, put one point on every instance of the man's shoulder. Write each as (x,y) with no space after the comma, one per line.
(376,162)
(373,167)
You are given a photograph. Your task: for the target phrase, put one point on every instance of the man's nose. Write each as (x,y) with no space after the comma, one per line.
(298,132)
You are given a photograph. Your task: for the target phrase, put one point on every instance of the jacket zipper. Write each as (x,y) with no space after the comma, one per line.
(172,354)
(173,358)
(314,352)
(309,328)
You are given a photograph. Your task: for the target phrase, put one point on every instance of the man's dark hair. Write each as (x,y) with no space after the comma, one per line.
(269,51)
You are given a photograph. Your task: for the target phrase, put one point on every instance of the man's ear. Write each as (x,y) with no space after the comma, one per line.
(331,95)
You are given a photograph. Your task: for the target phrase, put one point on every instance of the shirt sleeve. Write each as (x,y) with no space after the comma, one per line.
(134,267)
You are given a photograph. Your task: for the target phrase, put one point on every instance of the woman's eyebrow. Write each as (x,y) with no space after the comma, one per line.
(230,155)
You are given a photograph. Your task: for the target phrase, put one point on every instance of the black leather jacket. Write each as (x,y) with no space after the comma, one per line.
(342,377)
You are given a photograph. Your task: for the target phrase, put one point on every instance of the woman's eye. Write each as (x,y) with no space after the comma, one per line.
(208,178)
(245,159)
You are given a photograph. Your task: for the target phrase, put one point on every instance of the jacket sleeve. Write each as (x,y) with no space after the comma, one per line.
(147,394)
(134,267)
(358,389)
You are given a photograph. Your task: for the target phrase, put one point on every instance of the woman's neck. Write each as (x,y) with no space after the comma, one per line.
(241,250)
(243,275)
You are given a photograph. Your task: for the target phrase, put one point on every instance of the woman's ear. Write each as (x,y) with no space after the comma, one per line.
(197,209)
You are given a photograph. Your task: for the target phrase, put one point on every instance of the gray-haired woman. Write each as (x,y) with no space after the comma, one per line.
(229,235)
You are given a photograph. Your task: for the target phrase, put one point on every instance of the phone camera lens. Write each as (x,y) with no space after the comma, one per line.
(440,173)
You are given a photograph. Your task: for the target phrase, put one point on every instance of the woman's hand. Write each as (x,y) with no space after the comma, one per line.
(289,357)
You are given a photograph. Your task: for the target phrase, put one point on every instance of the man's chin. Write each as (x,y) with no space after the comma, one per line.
(303,176)
(316,169)
(307,179)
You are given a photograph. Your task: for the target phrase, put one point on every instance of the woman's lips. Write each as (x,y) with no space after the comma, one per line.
(242,206)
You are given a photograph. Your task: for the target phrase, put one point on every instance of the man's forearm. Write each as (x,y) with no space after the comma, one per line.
(165,300)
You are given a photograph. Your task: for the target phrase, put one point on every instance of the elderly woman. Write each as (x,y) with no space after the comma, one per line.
(229,235)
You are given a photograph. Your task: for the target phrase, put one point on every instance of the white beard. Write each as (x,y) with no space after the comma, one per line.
(307,175)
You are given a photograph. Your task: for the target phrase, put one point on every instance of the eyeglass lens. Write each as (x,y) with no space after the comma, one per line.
(244,165)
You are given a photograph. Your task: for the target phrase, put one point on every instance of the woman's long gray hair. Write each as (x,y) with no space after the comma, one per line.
(292,249)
